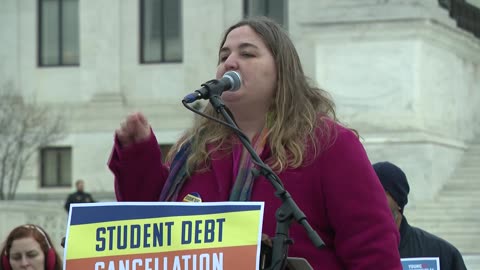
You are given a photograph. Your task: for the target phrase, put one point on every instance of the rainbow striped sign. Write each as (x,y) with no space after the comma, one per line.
(163,236)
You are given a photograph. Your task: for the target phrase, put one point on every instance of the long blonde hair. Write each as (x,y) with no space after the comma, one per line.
(297,110)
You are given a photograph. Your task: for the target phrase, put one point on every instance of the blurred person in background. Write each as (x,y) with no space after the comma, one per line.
(79,196)
(414,242)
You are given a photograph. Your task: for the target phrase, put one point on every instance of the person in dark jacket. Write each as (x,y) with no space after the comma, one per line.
(80,196)
(414,242)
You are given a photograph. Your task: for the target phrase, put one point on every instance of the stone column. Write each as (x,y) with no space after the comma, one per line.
(402,74)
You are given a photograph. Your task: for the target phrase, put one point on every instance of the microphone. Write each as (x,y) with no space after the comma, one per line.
(231,81)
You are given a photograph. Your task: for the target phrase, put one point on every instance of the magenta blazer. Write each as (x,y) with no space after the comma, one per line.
(338,191)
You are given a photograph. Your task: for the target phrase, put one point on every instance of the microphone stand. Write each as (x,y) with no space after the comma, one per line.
(286,213)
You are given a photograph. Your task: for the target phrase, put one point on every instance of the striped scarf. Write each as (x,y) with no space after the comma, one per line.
(242,167)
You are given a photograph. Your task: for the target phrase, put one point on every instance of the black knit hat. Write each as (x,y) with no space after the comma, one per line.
(394,181)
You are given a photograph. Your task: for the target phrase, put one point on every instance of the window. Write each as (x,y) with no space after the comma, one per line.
(274,9)
(160,31)
(58,43)
(56,166)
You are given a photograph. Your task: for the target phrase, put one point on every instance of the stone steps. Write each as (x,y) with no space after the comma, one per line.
(454,214)
(445,200)
(452,232)
(461,185)
(444,212)
(472,261)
